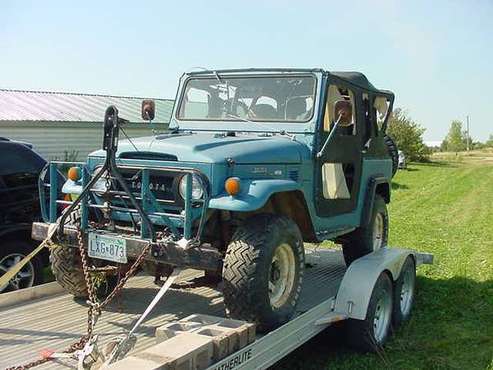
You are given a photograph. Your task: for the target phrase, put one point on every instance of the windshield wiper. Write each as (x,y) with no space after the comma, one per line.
(275,130)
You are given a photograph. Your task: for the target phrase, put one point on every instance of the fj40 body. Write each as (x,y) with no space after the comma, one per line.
(255,163)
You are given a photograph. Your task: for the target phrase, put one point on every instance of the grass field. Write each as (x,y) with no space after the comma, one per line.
(446,209)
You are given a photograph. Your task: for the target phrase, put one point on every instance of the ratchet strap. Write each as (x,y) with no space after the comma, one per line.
(123,344)
(14,270)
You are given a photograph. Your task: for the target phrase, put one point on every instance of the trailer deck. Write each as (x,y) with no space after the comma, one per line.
(56,321)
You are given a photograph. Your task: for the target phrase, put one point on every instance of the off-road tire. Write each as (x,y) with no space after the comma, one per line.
(399,315)
(393,153)
(67,269)
(247,270)
(360,334)
(360,242)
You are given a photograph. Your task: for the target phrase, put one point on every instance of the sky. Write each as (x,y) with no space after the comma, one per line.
(437,57)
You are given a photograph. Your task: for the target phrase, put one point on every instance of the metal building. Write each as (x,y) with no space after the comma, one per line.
(69,125)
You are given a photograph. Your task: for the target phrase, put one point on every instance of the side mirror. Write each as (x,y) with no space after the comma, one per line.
(343,110)
(148,110)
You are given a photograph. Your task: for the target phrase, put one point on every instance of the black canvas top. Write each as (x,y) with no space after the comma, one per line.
(360,80)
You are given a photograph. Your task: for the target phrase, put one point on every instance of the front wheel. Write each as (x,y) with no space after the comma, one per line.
(67,268)
(263,271)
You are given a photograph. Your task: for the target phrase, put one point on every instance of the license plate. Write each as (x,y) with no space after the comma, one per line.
(107,248)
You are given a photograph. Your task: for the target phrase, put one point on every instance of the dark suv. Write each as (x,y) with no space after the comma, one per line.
(19,207)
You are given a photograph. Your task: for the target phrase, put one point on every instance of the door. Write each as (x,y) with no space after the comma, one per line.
(338,170)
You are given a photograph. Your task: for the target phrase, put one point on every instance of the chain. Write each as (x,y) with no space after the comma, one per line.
(95,307)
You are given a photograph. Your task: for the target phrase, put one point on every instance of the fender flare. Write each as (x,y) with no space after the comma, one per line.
(357,284)
(253,194)
(370,197)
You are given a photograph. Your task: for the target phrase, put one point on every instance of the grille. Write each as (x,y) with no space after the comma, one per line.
(293,175)
(163,186)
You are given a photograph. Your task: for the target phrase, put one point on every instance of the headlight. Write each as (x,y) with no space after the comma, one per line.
(100,185)
(197,187)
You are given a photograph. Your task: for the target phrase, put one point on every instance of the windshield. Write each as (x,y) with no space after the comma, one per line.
(266,98)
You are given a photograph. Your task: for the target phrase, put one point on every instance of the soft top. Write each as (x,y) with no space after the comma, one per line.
(359,79)
(354,78)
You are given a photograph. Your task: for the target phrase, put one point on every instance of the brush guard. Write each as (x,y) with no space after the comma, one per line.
(149,207)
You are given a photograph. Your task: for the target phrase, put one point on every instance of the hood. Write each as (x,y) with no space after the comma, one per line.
(213,148)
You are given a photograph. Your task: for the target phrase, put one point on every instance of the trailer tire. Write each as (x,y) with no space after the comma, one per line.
(67,269)
(404,289)
(370,334)
(263,271)
(370,237)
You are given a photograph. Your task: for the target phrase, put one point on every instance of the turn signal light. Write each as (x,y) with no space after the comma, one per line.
(232,185)
(74,173)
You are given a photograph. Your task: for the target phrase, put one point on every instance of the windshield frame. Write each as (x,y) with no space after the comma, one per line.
(238,124)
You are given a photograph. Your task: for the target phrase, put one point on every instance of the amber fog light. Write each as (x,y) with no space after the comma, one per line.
(232,185)
(74,173)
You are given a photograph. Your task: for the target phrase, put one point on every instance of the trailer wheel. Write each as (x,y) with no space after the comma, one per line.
(404,289)
(67,269)
(263,271)
(370,334)
(368,238)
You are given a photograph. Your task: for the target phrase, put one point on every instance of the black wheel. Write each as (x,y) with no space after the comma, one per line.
(393,153)
(263,271)
(67,269)
(370,334)
(404,289)
(13,251)
(368,238)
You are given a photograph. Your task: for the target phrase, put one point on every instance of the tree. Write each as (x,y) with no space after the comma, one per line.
(456,139)
(408,135)
(489,142)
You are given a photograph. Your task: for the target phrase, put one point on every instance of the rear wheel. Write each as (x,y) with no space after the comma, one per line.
(263,271)
(370,334)
(404,289)
(368,238)
(11,253)
(393,153)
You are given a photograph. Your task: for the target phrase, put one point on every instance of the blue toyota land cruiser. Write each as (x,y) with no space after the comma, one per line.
(256,162)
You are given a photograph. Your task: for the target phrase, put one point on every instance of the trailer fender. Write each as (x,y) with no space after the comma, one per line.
(253,194)
(357,284)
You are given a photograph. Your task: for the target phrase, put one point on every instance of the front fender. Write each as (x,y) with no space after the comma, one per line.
(253,195)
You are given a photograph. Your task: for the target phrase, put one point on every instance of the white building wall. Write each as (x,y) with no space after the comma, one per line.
(56,140)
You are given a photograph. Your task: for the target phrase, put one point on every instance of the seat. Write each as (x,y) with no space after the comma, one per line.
(296,109)
(264,111)
(334,182)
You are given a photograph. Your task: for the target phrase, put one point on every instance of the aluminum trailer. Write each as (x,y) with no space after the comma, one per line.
(45,317)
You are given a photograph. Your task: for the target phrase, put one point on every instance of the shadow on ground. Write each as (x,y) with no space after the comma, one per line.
(397,186)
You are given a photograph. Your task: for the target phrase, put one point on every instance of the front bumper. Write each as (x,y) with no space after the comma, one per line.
(201,257)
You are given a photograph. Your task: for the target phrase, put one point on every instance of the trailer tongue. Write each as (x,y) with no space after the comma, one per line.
(330,293)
